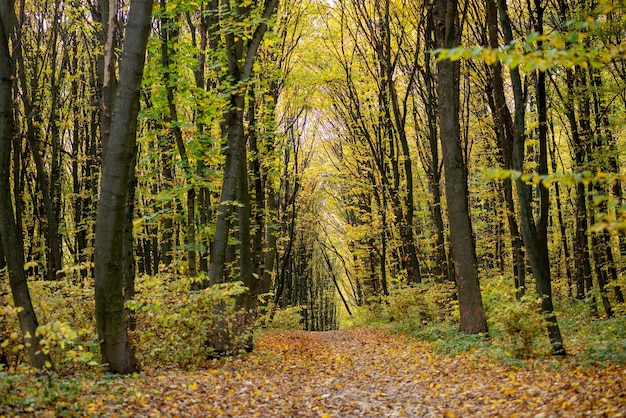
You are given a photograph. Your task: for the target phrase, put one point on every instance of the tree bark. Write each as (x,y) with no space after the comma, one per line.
(442,268)
(504,128)
(461,236)
(9,234)
(3,262)
(117,158)
(542,136)
(128,250)
(539,261)
(240,70)
(49,223)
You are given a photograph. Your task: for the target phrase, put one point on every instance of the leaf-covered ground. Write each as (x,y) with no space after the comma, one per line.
(351,373)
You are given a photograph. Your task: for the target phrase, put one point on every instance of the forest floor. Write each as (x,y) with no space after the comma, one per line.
(363,372)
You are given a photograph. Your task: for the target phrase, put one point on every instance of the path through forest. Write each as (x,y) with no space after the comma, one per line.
(359,373)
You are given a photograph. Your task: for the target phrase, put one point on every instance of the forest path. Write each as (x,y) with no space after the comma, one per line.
(364,373)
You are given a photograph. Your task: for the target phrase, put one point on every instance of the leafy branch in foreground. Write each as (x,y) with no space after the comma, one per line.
(579,44)
(613,220)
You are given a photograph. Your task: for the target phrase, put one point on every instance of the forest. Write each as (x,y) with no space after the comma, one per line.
(198,193)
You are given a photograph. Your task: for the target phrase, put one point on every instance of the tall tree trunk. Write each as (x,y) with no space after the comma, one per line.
(585,146)
(202,197)
(234,159)
(117,158)
(564,236)
(128,250)
(504,127)
(461,236)
(239,70)
(443,268)
(582,270)
(3,262)
(600,251)
(398,113)
(382,210)
(9,234)
(605,143)
(542,131)
(539,261)
(266,206)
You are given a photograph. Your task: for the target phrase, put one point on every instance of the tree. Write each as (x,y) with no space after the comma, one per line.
(11,239)
(118,151)
(240,55)
(503,126)
(240,66)
(455,171)
(429,152)
(537,253)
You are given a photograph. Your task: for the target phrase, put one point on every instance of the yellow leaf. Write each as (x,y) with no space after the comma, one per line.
(489,56)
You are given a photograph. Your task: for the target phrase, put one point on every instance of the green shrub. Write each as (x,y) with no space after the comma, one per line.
(604,341)
(415,306)
(11,341)
(7,386)
(370,313)
(518,325)
(66,344)
(603,352)
(524,326)
(288,318)
(65,310)
(174,324)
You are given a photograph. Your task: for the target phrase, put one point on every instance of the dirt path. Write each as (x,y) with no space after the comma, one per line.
(360,373)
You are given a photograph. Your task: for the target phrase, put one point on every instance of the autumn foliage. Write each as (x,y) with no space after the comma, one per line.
(351,373)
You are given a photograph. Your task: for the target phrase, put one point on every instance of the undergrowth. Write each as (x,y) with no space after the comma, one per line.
(517,333)
(171,324)
(174,324)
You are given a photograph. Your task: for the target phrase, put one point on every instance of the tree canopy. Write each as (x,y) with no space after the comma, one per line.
(176,176)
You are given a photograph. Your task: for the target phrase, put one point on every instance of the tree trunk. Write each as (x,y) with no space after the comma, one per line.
(169,35)
(234,159)
(442,266)
(10,236)
(166,247)
(117,157)
(245,252)
(600,250)
(542,131)
(128,250)
(605,144)
(539,261)
(562,228)
(398,120)
(3,262)
(582,270)
(239,70)
(504,128)
(461,235)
